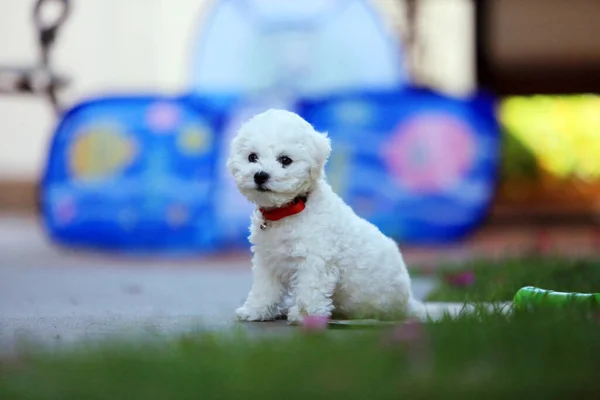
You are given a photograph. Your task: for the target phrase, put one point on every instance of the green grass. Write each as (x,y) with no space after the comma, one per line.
(499,281)
(481,356)
(534,355)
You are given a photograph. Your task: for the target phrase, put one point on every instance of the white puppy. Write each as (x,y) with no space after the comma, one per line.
(309,247)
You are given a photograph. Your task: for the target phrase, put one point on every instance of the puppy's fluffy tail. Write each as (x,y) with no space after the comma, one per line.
(418,310)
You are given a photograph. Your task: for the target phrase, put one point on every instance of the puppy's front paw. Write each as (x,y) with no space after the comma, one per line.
(293,316)
(296,316)
(245,313)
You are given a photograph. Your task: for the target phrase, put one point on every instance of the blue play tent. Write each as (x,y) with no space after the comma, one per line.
(419,165)
(133,174)
(147,173)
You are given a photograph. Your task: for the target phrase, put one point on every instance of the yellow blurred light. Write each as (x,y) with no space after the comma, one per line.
(562,132)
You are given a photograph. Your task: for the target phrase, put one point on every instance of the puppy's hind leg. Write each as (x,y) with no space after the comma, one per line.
(265,296)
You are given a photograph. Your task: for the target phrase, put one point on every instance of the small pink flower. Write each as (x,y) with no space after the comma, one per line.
(461,279)
(315,322)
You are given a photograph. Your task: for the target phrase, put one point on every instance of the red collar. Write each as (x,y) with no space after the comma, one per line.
(275,214)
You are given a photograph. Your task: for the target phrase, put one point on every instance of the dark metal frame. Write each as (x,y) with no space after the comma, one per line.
(39,79)
(526,80)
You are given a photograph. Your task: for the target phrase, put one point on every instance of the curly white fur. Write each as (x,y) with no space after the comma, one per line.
(325,260)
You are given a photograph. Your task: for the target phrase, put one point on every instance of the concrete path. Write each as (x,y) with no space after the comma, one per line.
(66,303)
(54,297)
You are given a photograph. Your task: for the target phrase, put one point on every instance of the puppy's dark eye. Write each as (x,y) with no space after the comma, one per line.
(285,160)
(253,157)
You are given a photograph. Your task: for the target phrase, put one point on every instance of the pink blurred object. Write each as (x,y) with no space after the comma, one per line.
(409,332)
(315,322)
(543,242)
(66,210)
(163,117)
(418,154)
(413,338)
(461,279)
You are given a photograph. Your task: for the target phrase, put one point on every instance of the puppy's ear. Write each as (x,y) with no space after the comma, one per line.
(322,149)
(323,145)
(232,163)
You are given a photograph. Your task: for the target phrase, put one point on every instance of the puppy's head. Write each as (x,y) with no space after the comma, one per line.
(277,156)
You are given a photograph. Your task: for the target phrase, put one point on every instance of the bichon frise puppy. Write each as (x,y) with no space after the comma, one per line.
(312,255)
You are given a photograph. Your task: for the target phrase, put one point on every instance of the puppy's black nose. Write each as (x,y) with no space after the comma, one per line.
(261,177)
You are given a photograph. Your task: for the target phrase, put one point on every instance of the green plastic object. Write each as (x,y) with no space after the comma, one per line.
(530,296)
